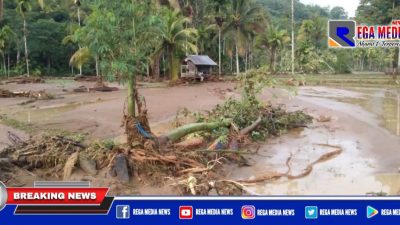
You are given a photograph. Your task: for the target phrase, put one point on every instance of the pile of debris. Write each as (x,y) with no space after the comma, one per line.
(86,78)
(39,95)
(24,80)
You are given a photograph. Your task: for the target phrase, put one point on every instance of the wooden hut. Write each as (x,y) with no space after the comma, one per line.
(197,66)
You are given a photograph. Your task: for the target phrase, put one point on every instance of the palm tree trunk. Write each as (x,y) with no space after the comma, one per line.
(26,48)
(79,24)
(4,63)
(219,52)
(97,66)
(272,62)
(8,65)
(1,9)
(237,61)
(131,96)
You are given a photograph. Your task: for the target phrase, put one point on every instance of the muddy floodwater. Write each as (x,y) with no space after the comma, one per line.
(364,122)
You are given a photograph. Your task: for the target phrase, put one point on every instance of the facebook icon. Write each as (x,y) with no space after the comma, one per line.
(123,212)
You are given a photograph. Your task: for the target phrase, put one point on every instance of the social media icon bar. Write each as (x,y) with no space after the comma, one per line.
(185,212)
(248,212)
(311,212)
(123,212)
(371,212)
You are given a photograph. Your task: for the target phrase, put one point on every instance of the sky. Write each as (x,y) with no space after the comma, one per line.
(349,5)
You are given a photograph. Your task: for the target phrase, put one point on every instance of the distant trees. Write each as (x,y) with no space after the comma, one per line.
(243,18)
(176,39)
(338,13)
(274,40)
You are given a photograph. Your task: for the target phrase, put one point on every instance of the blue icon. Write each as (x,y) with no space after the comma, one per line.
(311,212)
(123,212)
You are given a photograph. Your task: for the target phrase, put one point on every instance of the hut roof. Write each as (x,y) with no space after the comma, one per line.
(201,60)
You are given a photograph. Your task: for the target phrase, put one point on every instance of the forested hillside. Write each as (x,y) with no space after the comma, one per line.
(66,37)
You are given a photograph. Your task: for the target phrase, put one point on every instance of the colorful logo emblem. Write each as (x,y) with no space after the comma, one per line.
(248,212)
(342,34)
(371,212)
(311,212)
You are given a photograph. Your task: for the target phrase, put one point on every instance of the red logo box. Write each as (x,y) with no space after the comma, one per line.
(185,212)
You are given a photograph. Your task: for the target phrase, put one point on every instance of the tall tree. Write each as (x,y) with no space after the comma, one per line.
(124,53)
(243,17)
(175,39)
(24,6)
(6,38)
(274,40)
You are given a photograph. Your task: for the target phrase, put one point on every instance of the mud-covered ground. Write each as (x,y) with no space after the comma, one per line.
(364,122)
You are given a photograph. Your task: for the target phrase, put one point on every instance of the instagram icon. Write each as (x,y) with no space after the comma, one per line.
(248,212)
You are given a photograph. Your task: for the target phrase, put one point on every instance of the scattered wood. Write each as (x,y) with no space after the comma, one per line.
(86,78)
(190,143)
(252,127)
(277,175)
(42,95)
(81,89)
(103,89)
(14,139)
(70,165)
(25,80)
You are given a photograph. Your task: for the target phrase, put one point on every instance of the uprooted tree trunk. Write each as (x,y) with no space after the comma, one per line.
(182,131)
(135,123)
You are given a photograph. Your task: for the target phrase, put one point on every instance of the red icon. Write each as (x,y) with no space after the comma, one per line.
(185,212)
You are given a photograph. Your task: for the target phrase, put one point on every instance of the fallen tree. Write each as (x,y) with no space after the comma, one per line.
(182,131)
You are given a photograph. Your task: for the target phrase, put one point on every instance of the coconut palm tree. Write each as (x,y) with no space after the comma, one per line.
(274,40)
(175,39)
(6,38)
(243,17)
(24,6)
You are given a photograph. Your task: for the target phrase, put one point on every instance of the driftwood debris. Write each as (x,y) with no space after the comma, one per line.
(86,78)
(24,80)
(252,127)
(276,175)
(25,94)
(70,165)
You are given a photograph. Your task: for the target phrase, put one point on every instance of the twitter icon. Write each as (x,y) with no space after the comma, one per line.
(311,212)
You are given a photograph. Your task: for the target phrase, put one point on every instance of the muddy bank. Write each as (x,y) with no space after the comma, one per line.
(100,114)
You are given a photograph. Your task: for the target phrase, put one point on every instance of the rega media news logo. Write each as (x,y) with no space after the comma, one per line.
(342,34)
(347,34)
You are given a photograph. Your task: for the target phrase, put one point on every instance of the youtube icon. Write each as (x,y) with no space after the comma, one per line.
(185,212)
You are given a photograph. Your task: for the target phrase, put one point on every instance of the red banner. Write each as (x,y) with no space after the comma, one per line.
(56,196)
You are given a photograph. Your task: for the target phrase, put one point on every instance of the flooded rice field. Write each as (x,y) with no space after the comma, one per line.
(364,122)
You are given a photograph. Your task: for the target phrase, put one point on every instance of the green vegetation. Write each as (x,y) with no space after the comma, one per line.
(56,37)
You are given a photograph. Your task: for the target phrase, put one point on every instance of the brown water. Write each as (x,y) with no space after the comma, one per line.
(364,122)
